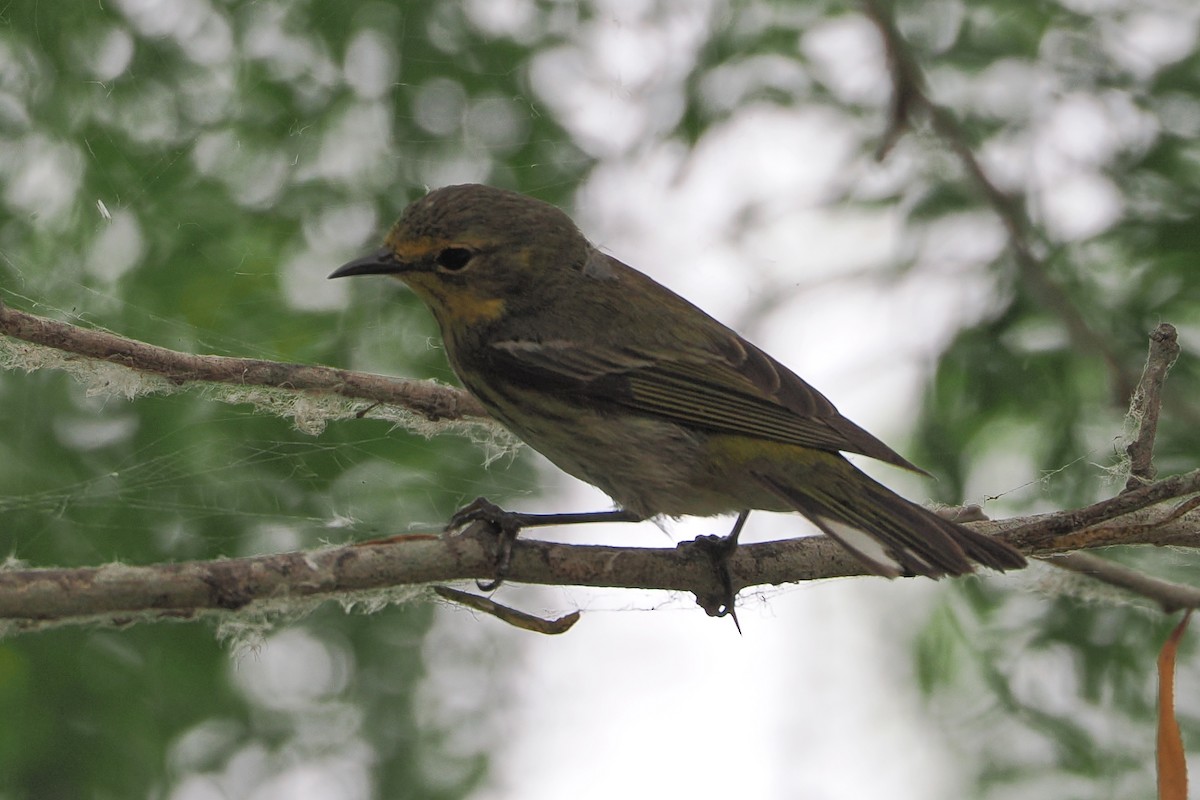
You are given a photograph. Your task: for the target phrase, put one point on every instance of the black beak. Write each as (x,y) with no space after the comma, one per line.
(382,262)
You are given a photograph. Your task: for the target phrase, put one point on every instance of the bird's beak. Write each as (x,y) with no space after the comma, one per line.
(381,262)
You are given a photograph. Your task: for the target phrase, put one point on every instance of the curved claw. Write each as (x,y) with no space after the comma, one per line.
(480,510)
(506,525)
(490,586)
(719,550)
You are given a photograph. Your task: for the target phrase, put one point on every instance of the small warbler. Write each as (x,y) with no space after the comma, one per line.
(626,385)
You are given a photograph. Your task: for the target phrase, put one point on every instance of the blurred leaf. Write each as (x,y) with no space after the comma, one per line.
(1172,760)
(236,156)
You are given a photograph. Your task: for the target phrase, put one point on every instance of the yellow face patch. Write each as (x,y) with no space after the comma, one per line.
(468,308)
(452,304)
(415,248)
(411,250)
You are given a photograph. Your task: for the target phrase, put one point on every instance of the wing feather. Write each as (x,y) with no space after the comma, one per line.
(733,387)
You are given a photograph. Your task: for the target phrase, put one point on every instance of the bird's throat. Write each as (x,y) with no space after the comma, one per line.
(456,305)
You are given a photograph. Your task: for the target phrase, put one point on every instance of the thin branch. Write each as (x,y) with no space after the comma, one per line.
(1146,404)
(518,619)
(1171,597)
(908,85)
(909,97)
(431,400)
(38,598)
(1145,407)
(121,594)
(1072,530)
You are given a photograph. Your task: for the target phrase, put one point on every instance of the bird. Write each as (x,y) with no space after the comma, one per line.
(624,384)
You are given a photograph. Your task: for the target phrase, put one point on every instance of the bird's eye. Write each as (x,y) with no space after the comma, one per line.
(454,258)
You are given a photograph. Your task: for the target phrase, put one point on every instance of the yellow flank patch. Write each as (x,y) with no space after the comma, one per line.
(747,449)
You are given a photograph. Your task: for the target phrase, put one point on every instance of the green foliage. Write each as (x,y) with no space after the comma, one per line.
(183,168)
(181,180)
(1072,683)
(1069,681)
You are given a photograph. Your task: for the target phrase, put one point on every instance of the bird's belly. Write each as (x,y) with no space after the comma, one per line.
(648,466)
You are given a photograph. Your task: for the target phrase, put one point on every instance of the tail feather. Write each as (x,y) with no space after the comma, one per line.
(889,534)
(988,550)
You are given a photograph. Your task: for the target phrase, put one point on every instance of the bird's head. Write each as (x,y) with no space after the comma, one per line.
(473,252)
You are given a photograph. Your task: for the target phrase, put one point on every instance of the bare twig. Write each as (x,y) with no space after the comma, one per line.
(1171,597)
(1146,403)
(38,598)
(518,619)
(1083,528)
(908,85)
(909,98)
(1144,408)
(1069,530)
(431,400)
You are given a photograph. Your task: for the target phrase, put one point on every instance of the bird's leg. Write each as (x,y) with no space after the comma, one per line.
(720,549)
(508,524)
(487,511)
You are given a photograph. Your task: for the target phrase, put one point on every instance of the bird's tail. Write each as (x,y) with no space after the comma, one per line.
(889,534)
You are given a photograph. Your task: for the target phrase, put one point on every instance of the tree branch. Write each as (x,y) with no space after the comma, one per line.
(1158,513)
(32,599)
(1171,597)
(435,402)
(1146,404)
(910,98)
(1078,529)
(1084,528)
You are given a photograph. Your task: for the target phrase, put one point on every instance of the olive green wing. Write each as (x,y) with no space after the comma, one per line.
(729,387)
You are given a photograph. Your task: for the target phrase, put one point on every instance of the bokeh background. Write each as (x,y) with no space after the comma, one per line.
(187,172)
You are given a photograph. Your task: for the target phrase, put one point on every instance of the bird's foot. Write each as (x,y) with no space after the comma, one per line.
(506,525)
(721,603)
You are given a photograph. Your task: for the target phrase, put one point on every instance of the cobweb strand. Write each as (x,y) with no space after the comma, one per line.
(310,411)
